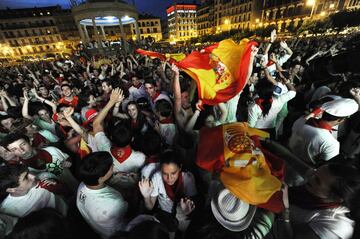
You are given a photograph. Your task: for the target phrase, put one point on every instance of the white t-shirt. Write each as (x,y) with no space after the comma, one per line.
(149,169)
(231,106)
(168,132)
(326,223)
(103,209)
(36,199)
(312,144)
(159,191)
(137,93)
(257,120)
(132,164)
(162,96)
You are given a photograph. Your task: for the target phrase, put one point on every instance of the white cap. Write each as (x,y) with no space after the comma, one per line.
(343,107)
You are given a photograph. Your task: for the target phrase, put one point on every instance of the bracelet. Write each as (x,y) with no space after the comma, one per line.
(43,101)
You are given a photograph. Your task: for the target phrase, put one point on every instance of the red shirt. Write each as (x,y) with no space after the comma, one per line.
(72,103)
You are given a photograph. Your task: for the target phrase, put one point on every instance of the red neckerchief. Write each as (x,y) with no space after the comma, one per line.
(304,199)
(121,154)
(269,63)
(134,124)
(38,140)
(155,96)
(39,160)
(152,159)
(178,187)
(318,123)
(138,86)
(259,102)
(168,120)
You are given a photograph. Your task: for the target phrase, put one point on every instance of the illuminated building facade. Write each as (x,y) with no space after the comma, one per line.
(32,32)
(182,21)
(148,26)
(291,14)
(216,16)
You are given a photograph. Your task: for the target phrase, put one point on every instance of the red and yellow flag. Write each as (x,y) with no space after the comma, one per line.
(220,70)
(171,57)
(246,169)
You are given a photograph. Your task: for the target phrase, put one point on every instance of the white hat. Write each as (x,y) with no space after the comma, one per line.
(231,212)
(343,107)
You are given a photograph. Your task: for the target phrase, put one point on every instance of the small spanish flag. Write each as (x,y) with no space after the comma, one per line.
(220,70)
(83,148)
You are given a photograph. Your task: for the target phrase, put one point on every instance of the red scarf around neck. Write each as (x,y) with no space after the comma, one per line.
(155,96)
(137,86)
(121,154)
(259,102)
(175,192)
(318,123)
(168,120)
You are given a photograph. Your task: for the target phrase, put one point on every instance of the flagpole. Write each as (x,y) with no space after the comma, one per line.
(176,22)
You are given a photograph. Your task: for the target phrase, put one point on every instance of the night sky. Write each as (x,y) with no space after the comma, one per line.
(154,7)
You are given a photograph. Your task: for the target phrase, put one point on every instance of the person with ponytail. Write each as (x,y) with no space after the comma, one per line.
(326,207)
(263,112)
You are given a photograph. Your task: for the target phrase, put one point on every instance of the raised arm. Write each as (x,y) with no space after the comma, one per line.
(272,39)
(98,125)
(44,101)
(25,107)
(189,126)
(116,112)
(254,51)
(286,48)
(223,112)
(177,92)
(68,112)
(8,98)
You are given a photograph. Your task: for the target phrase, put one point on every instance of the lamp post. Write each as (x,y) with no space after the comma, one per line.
(312,4)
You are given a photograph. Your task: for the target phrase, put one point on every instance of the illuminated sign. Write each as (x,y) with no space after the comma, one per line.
(181,7)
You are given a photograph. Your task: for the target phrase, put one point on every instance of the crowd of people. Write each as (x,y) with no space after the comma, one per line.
(106,147)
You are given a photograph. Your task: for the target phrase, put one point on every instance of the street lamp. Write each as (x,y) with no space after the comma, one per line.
(311,3)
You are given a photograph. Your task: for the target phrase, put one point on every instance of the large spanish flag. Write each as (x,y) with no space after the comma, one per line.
(220,70)
(250,172)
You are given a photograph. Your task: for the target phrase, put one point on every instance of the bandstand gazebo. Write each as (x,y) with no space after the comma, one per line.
(104,13)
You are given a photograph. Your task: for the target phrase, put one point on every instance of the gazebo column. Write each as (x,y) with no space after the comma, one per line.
(137,31)
(97,38)
(122,34)
(82,36)
(87,38)
(103,32)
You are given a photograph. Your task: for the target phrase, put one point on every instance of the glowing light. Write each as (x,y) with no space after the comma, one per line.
(322,13)
(332,5)
(310,2)
(227,21)
(257,20)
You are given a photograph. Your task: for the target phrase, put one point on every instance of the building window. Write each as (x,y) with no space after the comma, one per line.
(147,30)
(155,30)
(141,31)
